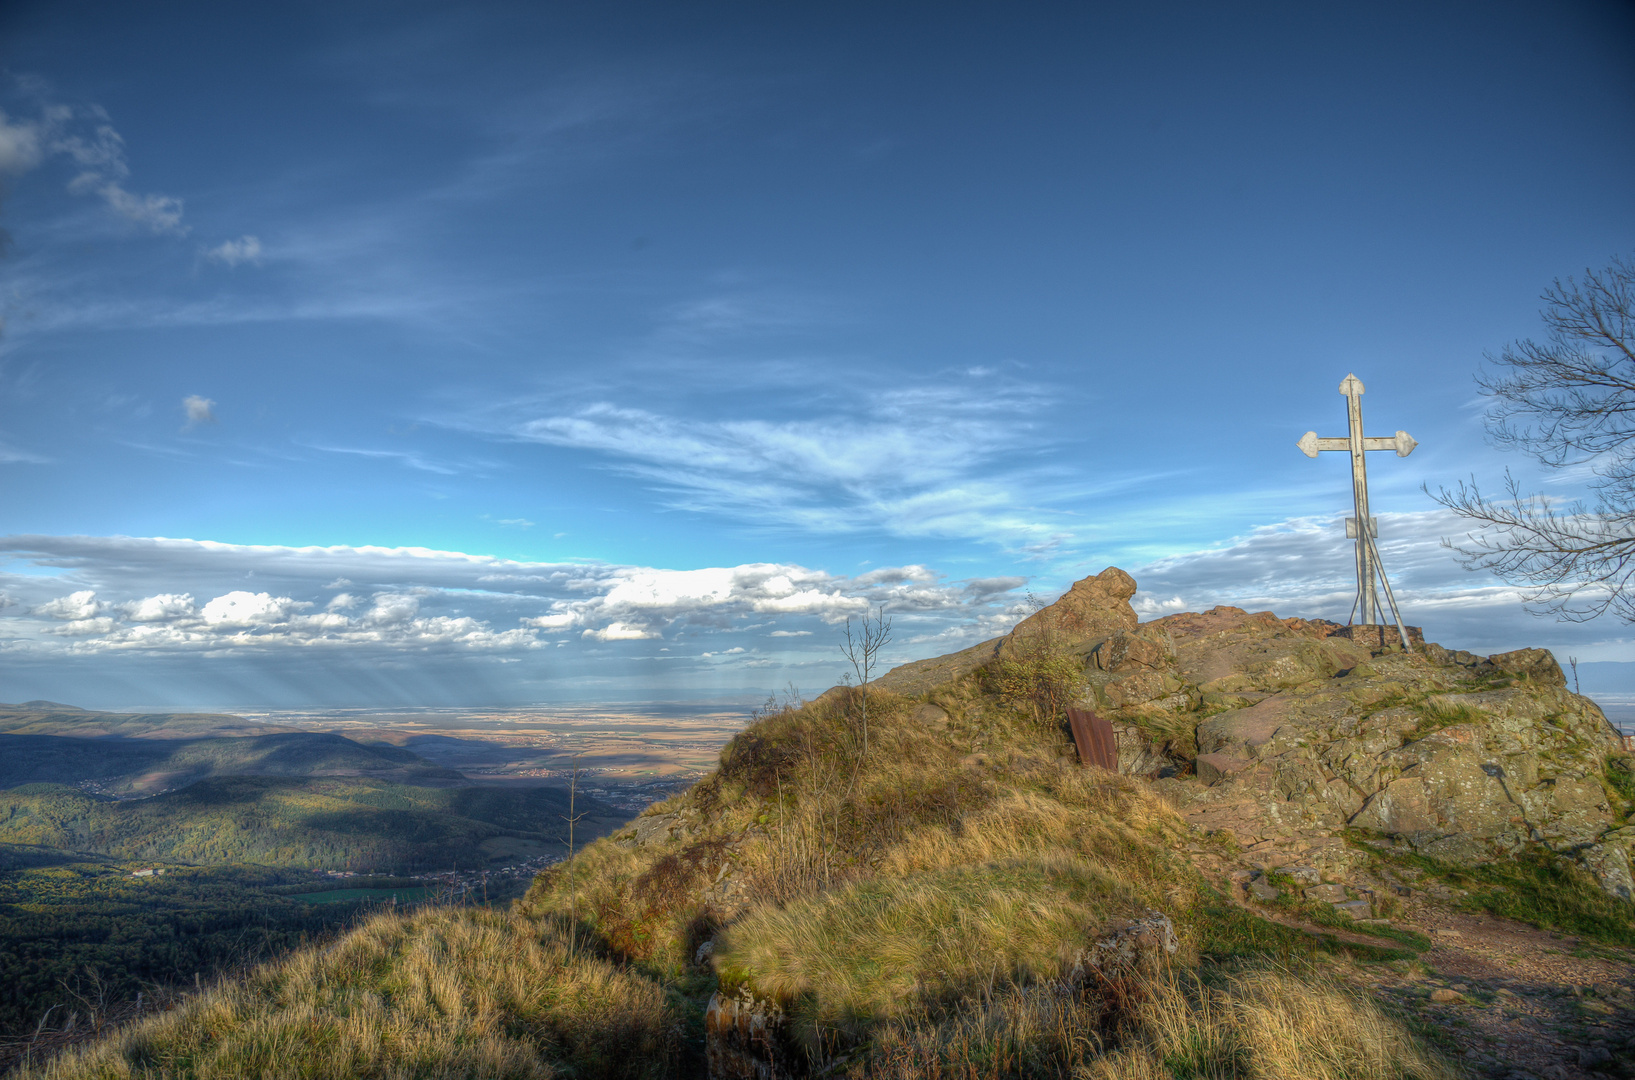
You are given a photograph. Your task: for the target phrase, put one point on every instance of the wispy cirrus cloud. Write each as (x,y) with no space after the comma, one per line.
(954,460)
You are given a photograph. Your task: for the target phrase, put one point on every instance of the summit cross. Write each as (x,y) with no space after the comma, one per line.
(1363,527)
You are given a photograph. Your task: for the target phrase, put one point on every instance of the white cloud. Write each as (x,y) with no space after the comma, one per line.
(230,253)
(419,599)
(240,608)
(618,631)
(80,605)
(86,137)
(161,608)
(160,213)
(552,622)
(19,145)
(915,461)
(199,410)
(392,608)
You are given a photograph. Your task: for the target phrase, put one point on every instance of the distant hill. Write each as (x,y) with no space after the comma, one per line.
(52,718)
(122,766)
(41,706)
(314,823)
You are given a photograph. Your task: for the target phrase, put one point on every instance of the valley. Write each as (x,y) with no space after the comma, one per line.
(139,849)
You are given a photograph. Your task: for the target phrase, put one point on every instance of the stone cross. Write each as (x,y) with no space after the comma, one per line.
(1363,527)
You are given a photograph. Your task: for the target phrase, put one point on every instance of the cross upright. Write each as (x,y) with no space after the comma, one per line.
(1363,527)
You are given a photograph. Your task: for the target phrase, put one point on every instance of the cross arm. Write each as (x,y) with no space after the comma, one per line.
(1402,442)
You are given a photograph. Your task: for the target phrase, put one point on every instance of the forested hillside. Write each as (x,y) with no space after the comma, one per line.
(347,823)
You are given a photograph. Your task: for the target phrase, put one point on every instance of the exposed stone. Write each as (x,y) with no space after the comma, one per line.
(654,828)
(1140,944)
(1443,996)
(1377,637)
(928,715)
(1307,728)
(1356,909)
(1263,890)
(1327,894)
(744,1038)
(1213,768)
(1095,607)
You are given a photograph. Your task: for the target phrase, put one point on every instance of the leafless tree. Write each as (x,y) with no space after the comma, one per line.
(862,648)
(1569,403)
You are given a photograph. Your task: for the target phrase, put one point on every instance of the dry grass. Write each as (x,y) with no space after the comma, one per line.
(1262,1025)
(441,994)
(848,958)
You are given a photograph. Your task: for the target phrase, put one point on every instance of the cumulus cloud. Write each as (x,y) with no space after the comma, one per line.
(199,410)
(79,605)
(240,608)
(230,253)
(413,599)
(161,608)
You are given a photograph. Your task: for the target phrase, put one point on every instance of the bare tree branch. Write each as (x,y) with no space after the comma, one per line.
(1568,402)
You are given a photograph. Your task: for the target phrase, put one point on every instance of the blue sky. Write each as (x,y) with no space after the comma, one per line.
(504,353)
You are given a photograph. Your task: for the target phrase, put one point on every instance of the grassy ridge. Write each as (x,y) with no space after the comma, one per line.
(322,823)
(918,911)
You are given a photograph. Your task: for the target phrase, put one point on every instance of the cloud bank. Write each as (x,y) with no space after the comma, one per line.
(414,625)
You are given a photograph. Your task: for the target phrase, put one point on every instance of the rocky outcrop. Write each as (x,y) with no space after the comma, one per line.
(1303,728)
(1303,732)
(1089,613)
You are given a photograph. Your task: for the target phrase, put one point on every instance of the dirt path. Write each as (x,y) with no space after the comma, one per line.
(1509,1000)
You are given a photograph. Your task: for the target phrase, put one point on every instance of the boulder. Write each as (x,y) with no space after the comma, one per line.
(1141,944)
(1094,608)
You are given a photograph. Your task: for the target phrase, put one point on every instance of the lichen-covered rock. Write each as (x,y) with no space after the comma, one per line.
(1137,945)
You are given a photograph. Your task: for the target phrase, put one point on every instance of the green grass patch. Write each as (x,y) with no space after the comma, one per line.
(1535,886)
(1228,932)
(1291,902)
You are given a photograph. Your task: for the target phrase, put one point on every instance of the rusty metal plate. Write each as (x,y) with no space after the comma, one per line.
(1094,738)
